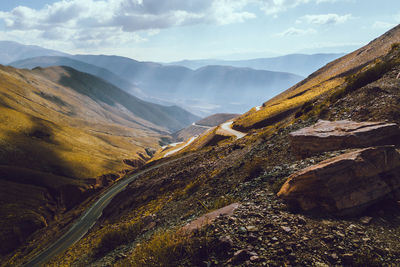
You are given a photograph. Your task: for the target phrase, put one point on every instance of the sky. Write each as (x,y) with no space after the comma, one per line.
(171,30)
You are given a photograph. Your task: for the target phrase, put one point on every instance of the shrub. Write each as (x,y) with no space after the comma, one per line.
(171,248)
(113,238)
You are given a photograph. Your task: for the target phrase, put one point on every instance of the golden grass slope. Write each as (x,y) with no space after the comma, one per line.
(54,142)
(327,79)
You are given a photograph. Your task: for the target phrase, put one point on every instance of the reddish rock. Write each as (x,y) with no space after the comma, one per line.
(336,135)
(347,183)
(210,217)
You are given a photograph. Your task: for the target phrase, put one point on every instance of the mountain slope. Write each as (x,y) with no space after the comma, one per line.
(324,81)
(143,224)
(58,146)
(172,118)
(299,64)
(211,89)
(48,61)
(64,136)
(202,125)
(12,51)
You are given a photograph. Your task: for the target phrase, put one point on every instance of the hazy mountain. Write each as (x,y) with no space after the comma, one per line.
(13,51)
(48,61)
(210,89)
(300,64)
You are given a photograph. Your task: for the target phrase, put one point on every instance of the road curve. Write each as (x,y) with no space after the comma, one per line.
(87,220)
(227,127)
(182,147)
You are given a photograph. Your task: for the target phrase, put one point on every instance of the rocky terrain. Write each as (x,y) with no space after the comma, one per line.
(144,224)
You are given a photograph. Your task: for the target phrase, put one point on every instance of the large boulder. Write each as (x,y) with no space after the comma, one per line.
(336,135)
(347,183)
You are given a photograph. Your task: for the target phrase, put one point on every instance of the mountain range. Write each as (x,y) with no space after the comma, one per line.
(215,202)
(206,90)
(299,64)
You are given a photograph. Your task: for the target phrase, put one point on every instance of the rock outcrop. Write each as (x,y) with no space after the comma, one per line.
(210,217)
(336,135)
(347,183)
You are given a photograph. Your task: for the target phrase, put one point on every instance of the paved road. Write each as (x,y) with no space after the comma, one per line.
(87,220)
(191,139)
(201,126)
(227,127)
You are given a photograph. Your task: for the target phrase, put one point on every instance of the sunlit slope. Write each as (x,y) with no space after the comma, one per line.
(86,138)
(58,137)
(325,80)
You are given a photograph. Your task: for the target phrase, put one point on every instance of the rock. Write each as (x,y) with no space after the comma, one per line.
(225,244)
(240,256)
(252,228)
(210,217)
(365,220)
(287,229)
(254,258)
(347,258)
(336,135)
(345,184)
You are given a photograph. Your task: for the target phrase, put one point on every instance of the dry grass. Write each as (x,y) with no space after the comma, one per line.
(325,80)
(54,136)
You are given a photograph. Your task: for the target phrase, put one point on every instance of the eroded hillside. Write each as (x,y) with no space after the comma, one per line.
(141,226)
(65,135)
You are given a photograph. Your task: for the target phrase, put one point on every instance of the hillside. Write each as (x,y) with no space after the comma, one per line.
(142,226)
(66,135)
(299,64)
(13,51)
(49,61)
(324,81)
(212,89)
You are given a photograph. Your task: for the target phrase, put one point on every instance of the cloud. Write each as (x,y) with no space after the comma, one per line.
(296,32)
(92,20)
(273,7)
(325,19)
(383,25)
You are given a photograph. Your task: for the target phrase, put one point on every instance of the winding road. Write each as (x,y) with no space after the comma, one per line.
(87,220)
(191,139)
(227,126)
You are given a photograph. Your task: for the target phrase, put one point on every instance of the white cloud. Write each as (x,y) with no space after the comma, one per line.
(324,19)
(92,21)
(383,25)
(295,31)
(273,7)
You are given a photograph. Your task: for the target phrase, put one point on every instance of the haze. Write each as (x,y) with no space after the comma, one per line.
(174,30)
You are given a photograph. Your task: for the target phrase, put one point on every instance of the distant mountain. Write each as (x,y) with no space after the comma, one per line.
(13,51)
(172,118)
(48,61)
(210,89)
(207,90)
(300,64)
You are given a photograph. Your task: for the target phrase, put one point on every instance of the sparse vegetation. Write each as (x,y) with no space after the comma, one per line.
(171,248)
(114,237)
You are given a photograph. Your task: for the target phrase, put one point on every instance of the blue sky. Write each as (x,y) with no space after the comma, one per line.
(159,30)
